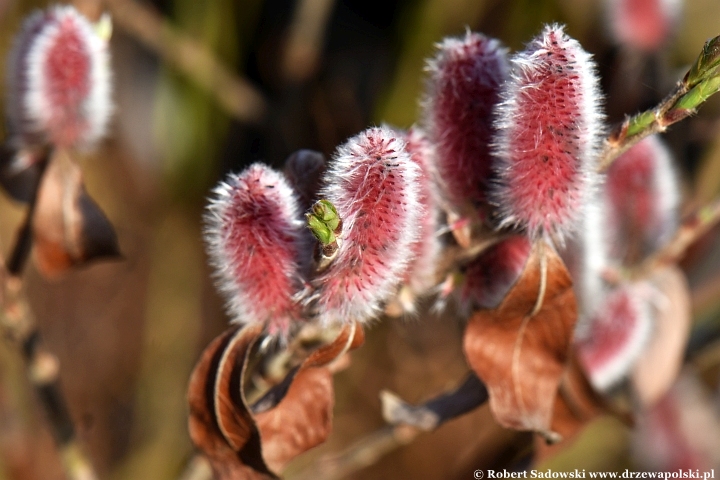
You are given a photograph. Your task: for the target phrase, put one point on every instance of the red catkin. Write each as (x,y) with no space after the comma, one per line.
(463,88)
(59,81)
(373,184)
(254,240)
(549,127)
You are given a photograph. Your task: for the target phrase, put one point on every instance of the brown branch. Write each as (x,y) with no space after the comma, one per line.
(43,368)
(235,95)
(689,232)
(43,371)
(363,453)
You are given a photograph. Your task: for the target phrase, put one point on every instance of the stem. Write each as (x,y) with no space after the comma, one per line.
(689,232)
(43,370)
(363,453)
(699,83)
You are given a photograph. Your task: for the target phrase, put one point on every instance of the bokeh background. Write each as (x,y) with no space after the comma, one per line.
(203,88)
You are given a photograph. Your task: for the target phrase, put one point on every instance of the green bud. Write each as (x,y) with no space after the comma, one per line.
(707,63)
(320,229)
(326,212)
(324,222)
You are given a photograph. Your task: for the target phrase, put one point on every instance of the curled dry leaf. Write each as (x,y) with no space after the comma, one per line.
(660,363)
(256,442)
(203,423)
(520,348)
(576,405)
(68,227)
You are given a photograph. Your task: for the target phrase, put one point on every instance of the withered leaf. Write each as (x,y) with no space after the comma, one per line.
(576,405)
(520,354)
(660,363)
(227,463)
(69,229)
(257,443)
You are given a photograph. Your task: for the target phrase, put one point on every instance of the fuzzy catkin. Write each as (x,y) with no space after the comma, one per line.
(253,234)
(616,335)
(462,90)
(643,196)
(549,130)
(59,81)
(373,184)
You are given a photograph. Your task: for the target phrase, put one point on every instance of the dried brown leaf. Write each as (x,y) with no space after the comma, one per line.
(660,363)
(294,417)
(520,348)
(68,227)
(227,462)
(302,419)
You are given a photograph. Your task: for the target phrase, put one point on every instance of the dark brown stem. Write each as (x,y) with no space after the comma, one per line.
(43,370)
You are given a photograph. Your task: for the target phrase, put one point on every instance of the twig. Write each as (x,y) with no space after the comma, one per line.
(43,371)
(305,39)
(43,368)
(236,95)
(699,83)
(689,232)
(361,454)
(409,422)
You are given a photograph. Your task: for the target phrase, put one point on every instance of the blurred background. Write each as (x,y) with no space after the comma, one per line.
(203,88)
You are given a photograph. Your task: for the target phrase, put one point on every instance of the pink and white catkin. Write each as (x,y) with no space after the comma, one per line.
(489,277)
(643,24)
(59,81)
(421,275)
(642,195)
(549,129)
(462,90)
(373,184)
(615,336)
(254,238)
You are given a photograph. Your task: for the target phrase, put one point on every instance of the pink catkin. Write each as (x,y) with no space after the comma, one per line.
(643,24)
(254,240)
(490,277)
(642,194)
(59,81)
(465,78)
(549,129)
(614,337)
(421,273)
(373,184)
